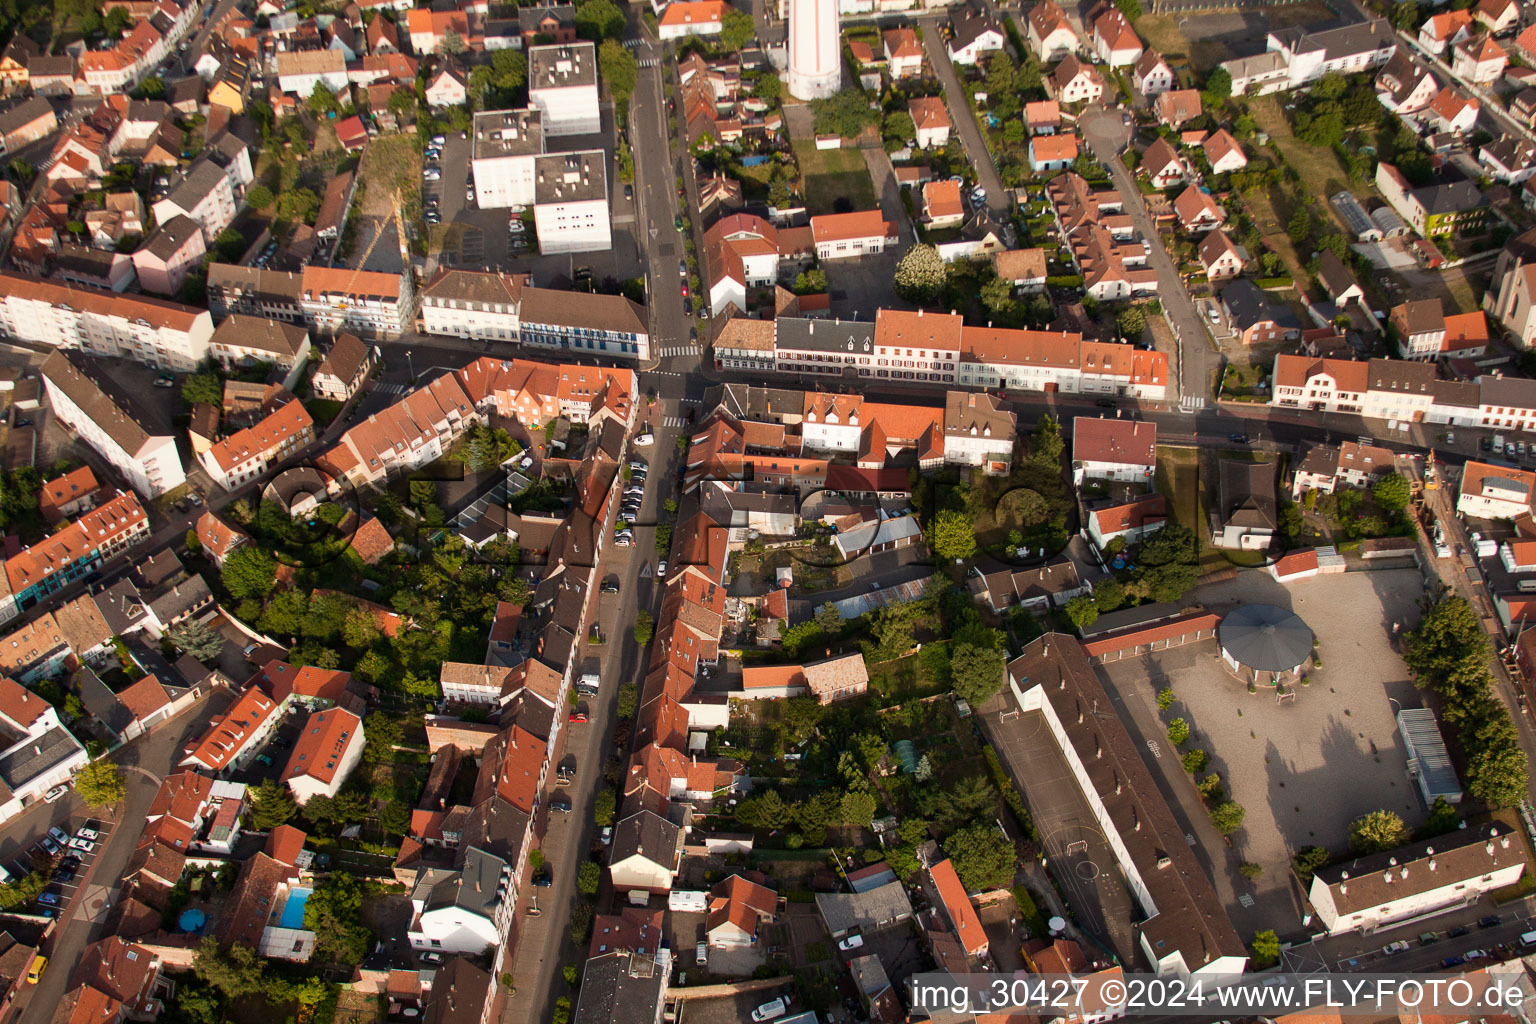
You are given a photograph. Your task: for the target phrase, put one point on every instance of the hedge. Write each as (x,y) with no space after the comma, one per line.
(1065,281)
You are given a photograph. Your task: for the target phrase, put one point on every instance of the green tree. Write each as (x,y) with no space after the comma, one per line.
(204,388)
(1194,761)
(1218,83)
(1178,732)
(360,630)
(599,19)
(977,672)
(618,67)
(736,29)
(829,618)
(983,857)
(1132,320)
(236,973)
(322,100)
(100,784)
(629,698)
(603,807)
(1496,769)
(1227,817)
(626,161)
(1165,698)
(509,69)
(1266,949)
(249,571)
(899,131)
(197,638)
(299,204)
(1391,492)
(811,282)
(588,877)
(766,86)
(334,913)
(258,197)
(952,535)
(858,808)
(920,273)
(403,100)
(845,114)
(765,813)
(644,627)
(271,805)
(1083,611)
(1306,862)
(451,43)
(1300,226)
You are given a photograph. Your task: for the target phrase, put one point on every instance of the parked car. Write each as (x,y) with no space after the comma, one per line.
(629,191)
(39,964)
(83,845)
(1452,961)
(645,440)
(543,880)
(624,542)
(431,957)
(661,568)
(63,875)
(610,586)
(59,835)
(771,1010)
(701,953)
(1475,954)
(851,942)
(578,716)
(1491,921)
(1394,948)
(52,848)
(561,804)
(48,899)
(55,793)
(1459,931)
(607,835)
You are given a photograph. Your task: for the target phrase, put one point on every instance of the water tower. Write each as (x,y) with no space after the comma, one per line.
(815,60)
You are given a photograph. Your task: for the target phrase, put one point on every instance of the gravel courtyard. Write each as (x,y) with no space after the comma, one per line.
(1304,768)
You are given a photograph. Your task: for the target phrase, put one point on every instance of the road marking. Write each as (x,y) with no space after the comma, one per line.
(1190,839)
(1157,751)
(1246,899)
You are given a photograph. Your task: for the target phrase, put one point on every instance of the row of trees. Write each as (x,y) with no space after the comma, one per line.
(1448,652)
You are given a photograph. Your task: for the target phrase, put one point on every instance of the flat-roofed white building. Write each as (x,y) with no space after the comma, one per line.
(570,211)
(562,84)
(505,146)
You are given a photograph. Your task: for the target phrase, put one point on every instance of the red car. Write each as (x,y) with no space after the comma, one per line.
(685,291)
(578,716)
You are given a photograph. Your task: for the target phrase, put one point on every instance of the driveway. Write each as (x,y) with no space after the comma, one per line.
(1106,134)
(964,120)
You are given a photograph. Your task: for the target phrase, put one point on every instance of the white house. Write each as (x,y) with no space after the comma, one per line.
(233,738)
(1113,449)
(844,235)
(1074,81)
(325,753)
(463,911)
(1115,42)
(205,195)
(299,71)
(158,333)
(505,145)
(1130,520)
(1049,32)
(39,753)
(1494,492)
(975,34)
(447,89)
(1416,881)
(691,18)
(645,854)
(1152,74)
(737,908)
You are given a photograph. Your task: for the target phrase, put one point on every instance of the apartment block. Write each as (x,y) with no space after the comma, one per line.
(155,332)
(150,463)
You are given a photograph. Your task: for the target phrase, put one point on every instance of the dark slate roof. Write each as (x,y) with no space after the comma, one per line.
(621,988)
(804,334)
(1248,305)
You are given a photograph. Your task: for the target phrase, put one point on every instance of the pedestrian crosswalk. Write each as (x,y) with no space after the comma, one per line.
(677,350)
(391,389)
(672,421)
(648,62)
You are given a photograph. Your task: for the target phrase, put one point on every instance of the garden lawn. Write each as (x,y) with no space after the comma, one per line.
(1321,173)
(831,174)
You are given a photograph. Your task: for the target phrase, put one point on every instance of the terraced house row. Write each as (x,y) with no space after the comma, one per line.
(928,347)
(1408,391)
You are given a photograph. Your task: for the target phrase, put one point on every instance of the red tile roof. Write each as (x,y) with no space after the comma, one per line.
(838,227)
(323,745)
(62,490)
(230,732)
(144,698)
(958,906)
(1127,442)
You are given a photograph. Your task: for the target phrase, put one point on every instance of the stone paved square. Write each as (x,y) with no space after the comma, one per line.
(1302,768)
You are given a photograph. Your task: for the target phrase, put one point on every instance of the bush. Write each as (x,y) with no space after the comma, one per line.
(1227,817)
(1249,870)
(1195,761)
(1178,732)
(1266,949)
(1165,698)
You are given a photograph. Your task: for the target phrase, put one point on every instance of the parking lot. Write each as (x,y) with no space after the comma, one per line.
(468,237)
(64,854)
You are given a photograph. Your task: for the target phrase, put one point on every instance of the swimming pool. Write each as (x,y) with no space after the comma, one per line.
(293,910)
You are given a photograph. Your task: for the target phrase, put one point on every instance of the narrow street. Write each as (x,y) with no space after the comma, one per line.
(1107,135)
(963,119)
(146,761)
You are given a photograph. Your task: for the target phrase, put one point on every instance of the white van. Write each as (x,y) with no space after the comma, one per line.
(770,1010)
(1528,939)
